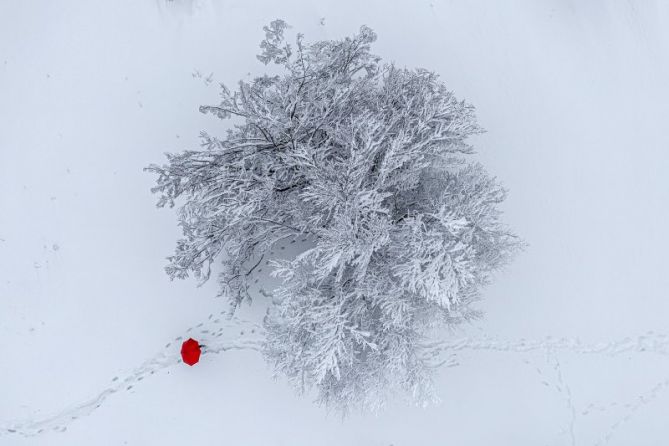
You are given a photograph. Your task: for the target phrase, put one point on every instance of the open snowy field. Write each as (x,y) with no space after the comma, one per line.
(574,97)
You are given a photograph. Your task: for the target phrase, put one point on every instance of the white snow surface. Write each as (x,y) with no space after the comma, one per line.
(573,347)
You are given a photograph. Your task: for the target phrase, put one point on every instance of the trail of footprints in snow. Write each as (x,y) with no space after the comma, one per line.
(58,421)
(651,342)
(630,408)
(658,342)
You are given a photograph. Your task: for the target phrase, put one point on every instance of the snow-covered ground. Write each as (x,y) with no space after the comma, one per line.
(574,97)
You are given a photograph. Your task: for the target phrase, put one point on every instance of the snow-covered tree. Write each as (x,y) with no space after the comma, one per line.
(369,163)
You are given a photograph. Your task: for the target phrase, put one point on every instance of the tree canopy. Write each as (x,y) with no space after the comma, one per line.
(370,164)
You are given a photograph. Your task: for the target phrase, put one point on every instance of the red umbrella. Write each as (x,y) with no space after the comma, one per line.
(190,351)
